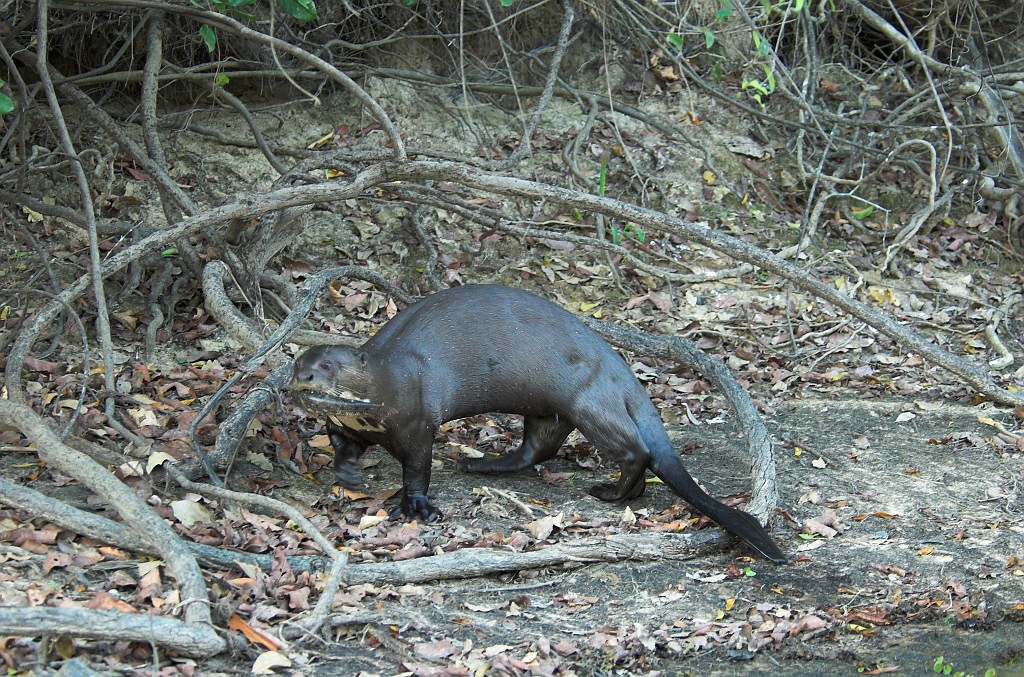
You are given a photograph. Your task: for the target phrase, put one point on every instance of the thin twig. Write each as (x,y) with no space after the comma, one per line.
(85,193)
(545,96)
(226,23)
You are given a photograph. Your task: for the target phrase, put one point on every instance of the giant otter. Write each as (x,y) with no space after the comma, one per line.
(484,348)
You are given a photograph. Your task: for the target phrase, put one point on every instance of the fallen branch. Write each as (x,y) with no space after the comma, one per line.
(187,639)
(107,531)
(255,205)
(464,563)
(144,522)
(477,562)
(704,235)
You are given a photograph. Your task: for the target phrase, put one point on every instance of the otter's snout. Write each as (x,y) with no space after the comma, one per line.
(303,374)
(311,369)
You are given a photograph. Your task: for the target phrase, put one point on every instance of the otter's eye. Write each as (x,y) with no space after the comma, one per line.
(325,365)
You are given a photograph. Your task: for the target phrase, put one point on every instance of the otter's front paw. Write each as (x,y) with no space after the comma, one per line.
(416,505)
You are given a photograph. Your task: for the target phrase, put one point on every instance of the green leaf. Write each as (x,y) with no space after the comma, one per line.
(863,213)
(937,667)
(507,3)
(303,10)
(173,251)
(6,104)
(221,80)
(675,40)
(209,36)
(756,86)
(723,13)
(798,5)
(603,177)
(709,38)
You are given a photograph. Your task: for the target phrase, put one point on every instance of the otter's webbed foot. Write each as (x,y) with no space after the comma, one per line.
(506,463)
(614,492)
(415,505)
(542,437)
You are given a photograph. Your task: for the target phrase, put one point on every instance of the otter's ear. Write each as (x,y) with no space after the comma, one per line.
(362,357)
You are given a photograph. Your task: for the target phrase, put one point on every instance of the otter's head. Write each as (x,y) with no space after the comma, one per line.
(332,370)
(331,382)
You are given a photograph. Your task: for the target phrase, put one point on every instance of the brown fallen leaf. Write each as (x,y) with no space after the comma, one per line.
(55,559)
(104,601)
(252,634)
(35,364)
(410,552)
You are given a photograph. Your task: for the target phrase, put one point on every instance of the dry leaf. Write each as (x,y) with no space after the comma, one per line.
(190,513)
(255,636)
(157,460)
(267,661)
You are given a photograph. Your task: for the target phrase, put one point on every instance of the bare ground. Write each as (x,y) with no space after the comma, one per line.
(929,526)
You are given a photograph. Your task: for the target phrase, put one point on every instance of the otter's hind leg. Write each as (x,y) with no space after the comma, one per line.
(620,439)
(542,437)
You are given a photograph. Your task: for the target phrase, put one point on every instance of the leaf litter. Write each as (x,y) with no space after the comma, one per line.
(953,568)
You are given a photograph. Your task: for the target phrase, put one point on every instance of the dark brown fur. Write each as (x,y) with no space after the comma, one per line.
(485,348)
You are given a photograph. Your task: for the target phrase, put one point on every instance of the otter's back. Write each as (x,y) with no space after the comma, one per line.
(491,348)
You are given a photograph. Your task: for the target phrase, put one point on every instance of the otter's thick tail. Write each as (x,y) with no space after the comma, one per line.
(667,466)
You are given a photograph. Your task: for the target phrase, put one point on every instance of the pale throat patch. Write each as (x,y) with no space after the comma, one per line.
(357,422)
